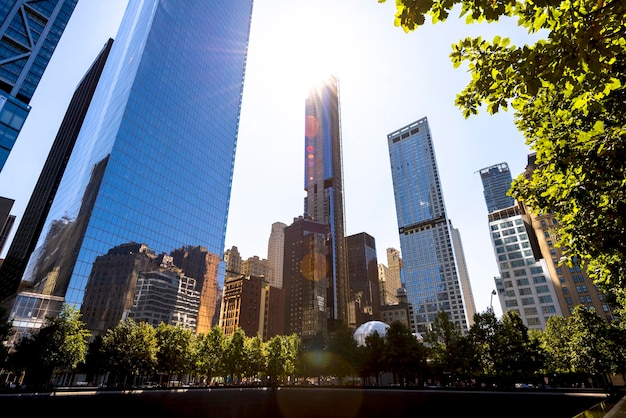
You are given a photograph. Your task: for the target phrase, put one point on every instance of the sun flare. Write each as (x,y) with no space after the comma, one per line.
(308,47)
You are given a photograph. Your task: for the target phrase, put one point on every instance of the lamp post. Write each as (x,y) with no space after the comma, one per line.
(493,292)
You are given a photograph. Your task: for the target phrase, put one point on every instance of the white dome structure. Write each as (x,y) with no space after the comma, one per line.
(368,329)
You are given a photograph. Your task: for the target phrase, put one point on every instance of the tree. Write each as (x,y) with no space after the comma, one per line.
(404,354)
(555,345)
(131,350)
(209,353)
(255,357)
(482,338)
(445,341)
(6,331)
(343,351)
(60,345)
(234,355)
(567,91)
(589,343)
(173,349)
(617,348)
(373,357)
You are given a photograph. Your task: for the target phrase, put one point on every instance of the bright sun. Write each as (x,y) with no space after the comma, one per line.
(307,47)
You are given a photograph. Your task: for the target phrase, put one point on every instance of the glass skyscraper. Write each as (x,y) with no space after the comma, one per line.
(430,270)
(30,226)
(29,33)
(323,183)
(496,183)
(147,188)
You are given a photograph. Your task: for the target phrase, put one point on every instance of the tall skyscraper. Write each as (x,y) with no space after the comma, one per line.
(6,220)
(394,278)
(363,274)
(466,287)
(153,162)
(430,270)
(30,226)
(29,33)
(533,281)
(306,275)
(275,253)
(323,183)
(496,183)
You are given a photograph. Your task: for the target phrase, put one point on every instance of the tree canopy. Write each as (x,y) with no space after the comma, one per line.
(567,91)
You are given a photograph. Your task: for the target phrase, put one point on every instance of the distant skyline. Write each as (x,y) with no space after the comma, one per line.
(387,79)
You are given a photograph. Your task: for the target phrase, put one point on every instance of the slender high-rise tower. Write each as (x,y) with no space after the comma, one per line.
(430,270)
(29,33)
(153,162)
(363,274)
(323,182)
(275,254)
(496,183)
(30,226)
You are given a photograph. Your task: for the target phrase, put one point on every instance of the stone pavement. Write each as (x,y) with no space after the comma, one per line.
(618,411)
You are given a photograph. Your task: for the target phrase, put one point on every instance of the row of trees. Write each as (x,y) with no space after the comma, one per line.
(580,349)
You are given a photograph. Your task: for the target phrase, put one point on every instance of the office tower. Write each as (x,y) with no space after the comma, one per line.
(430,270)
(255,266)
(232,259)
(243,305)
(385,297)
(400,311)
(496,183)
(559,288)
(363,279)
(5,231)
(275,252)
(27,234)
(306,275)
(6,219)
(394,278)
(29,33)
(524,285)
(252,304)
(464,280)
(323,183)
(153,162)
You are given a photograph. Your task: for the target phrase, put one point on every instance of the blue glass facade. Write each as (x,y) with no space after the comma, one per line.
(429,266)
(323,183)
(29,33)
(496,183)
(153,163)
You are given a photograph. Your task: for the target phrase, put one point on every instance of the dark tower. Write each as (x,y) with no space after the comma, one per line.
(323,182)
(363,273)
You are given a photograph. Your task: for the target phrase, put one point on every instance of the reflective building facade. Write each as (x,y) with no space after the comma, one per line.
(430,270)
(496,183)
(32,222)
(153,163)
(29,33)
(323,183)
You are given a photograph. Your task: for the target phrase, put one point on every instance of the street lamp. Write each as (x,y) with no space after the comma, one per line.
(493,292)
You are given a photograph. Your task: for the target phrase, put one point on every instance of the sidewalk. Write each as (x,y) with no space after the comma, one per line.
(618,411)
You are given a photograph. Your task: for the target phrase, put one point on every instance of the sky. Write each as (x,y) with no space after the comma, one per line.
(387,80)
